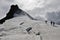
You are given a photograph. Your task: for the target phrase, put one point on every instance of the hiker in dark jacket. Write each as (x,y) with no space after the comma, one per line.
(46,21)
(51,22)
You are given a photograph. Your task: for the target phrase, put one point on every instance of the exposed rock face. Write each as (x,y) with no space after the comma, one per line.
(12,12)
(28,29)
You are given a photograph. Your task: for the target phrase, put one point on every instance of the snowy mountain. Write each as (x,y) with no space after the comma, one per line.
(21,26)
(14,12)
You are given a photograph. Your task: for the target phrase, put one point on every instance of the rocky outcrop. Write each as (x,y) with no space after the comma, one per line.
(10,14)
(14,10)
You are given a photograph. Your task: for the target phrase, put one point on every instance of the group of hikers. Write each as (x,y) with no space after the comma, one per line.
(51,22)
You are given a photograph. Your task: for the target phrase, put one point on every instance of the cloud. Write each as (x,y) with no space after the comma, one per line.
(23,4)
(53,10)
(44,8)
(50,10)
(30,4)
(54,16)
(4,7)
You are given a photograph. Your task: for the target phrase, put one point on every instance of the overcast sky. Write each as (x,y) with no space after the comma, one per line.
(30,5)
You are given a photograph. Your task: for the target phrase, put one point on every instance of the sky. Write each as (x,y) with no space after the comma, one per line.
(33,7)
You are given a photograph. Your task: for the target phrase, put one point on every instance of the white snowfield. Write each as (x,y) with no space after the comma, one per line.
(12,30)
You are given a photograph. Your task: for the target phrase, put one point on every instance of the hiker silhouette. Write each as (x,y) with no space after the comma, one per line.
(52,23)
(46,21)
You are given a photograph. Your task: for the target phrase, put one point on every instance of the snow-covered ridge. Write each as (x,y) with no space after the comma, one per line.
(15,29)
(12,30)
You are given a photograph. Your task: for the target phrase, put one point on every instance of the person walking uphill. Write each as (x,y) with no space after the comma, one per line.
(51,22)
(46,21)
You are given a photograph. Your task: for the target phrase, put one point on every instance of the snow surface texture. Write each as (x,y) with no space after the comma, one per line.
(12,30)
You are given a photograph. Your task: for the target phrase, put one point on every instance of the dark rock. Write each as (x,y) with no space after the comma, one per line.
(28,29)
(11,13)
(38,33)
(21,23)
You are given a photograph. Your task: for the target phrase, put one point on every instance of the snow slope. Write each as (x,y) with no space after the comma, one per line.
(12,30)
